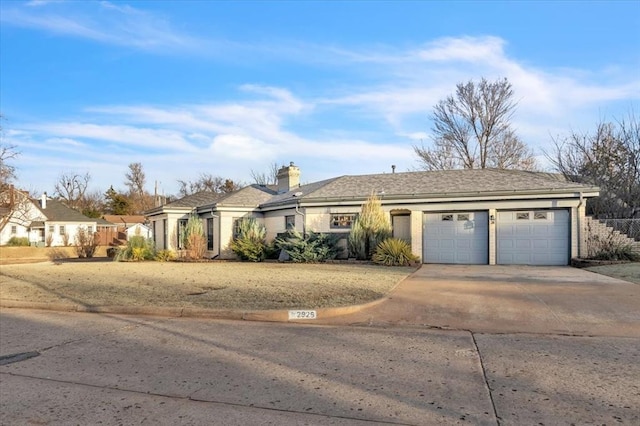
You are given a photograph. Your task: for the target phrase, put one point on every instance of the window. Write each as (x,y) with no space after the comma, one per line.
(522,216)
(182,226)
(90,229)
(343,220)
(52,229)
(210,233)
(540,215)
(61,230)
(14,229)
(447,217)
(463,217)
(289,222)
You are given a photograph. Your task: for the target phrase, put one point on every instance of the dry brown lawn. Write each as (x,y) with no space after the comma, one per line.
(624,271)
(215,285)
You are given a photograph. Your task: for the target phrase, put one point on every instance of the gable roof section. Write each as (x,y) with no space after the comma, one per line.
(249,196)
(195,200)
(431,184)
(57,211)
(120,219)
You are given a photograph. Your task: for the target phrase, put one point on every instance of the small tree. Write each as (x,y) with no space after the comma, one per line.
(86,243)
(370,228)
(195,240)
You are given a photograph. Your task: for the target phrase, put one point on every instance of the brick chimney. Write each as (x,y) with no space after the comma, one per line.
(288,178)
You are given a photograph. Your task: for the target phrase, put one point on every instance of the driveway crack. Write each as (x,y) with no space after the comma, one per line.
(486,380)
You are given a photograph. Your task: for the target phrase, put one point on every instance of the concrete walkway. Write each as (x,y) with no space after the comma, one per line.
(507,299)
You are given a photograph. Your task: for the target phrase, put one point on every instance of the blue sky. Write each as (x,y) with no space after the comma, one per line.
(226,87)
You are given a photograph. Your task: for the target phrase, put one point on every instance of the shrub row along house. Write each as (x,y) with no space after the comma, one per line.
(479,216)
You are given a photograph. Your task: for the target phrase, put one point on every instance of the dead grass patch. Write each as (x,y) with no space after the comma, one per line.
(214,285)
(624,271)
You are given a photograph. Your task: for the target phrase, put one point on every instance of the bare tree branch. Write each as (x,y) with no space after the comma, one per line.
(472,129)
(609,157)
(270,177)
(71,188)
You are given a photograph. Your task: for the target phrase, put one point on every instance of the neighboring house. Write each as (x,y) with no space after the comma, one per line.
(116,229)
(45,221)
(475,216)
(138,229)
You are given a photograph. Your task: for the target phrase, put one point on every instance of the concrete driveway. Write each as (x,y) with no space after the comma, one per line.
(508,299)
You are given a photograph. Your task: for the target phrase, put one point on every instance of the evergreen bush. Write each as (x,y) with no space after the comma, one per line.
(250,242)
(310,248)
(18,241)
(371,227)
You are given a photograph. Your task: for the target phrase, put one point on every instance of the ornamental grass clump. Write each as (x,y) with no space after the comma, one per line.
(394,252)
(310,248)
(138,248)
(250,243)
(371,227)
(195,240)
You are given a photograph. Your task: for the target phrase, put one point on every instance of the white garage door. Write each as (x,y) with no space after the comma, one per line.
(456,237)
(533,237)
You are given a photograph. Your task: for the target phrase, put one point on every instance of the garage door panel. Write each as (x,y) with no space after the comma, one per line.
(541,244)
(533,237)
(464,239)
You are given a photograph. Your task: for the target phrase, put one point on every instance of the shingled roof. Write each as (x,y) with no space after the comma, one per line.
(431,184)
(195,200)
(57,211)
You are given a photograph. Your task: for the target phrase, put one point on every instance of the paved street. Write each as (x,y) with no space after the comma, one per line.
(115,369)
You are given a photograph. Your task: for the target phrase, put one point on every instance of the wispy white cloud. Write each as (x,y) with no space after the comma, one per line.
(362,126)
(104,22)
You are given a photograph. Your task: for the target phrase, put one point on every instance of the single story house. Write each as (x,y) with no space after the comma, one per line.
(44,221)
(138,229)
(478,216)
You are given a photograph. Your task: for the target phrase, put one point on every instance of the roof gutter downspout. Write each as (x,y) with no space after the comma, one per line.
(581,239)
(304,218)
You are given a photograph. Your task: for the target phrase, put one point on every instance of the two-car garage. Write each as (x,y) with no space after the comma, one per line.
(522,237)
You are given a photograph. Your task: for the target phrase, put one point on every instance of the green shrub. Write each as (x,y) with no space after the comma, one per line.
(18,241)
(618,252)
(370,228)
(250,243)
(394,252)
(165,255)
(313,247)
(138,248)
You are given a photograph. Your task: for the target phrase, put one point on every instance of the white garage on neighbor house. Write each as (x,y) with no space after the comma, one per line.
(485,216)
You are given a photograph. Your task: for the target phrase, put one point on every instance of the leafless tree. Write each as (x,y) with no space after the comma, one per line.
(472,130)
(135,181)
(269,177)
(8,153)
(71,188)
(207,182)
(14,207)
(92,204)
(608,157)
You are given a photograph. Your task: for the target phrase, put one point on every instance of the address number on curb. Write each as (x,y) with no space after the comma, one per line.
(302,315)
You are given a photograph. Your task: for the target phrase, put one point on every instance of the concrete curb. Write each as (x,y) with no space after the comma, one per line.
(280,315)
